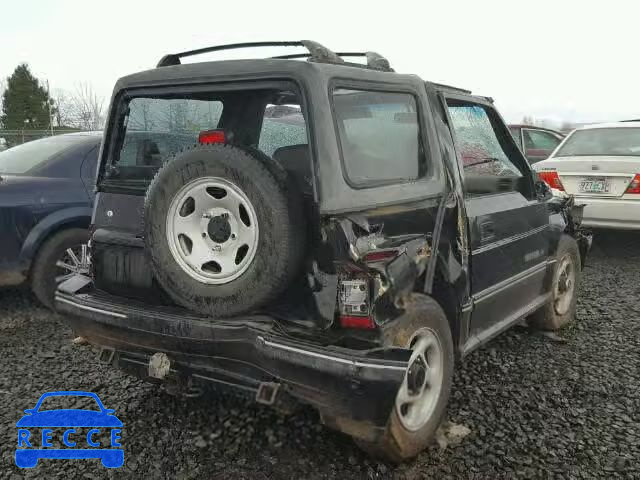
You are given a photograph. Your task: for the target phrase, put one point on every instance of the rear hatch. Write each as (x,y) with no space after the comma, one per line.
(147,131)
(601,176)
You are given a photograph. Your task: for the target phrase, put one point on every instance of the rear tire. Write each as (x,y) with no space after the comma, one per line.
(44,269)
(402,439)
(561,310)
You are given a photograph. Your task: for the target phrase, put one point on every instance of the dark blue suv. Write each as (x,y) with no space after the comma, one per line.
(46,193)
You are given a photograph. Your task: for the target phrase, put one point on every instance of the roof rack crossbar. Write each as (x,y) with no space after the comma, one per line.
(317,52)
(374,60)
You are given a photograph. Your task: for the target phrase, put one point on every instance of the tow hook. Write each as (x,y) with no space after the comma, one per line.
(267,392)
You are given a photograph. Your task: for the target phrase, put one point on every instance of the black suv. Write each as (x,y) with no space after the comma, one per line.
(336,233)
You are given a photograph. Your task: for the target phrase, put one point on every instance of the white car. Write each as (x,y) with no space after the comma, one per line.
(600,165)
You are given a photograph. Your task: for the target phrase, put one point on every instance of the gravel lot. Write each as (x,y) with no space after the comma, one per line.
(536,407)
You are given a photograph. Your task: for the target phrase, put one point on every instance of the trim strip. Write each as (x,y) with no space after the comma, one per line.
(91,309)
(506,241)
(329,357)
(498,287)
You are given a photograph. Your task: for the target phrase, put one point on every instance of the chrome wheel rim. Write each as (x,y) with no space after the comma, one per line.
(418,395)
(212,230)
(564,285)
(74,261)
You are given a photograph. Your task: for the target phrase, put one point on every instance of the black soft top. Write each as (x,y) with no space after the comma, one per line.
(205,72)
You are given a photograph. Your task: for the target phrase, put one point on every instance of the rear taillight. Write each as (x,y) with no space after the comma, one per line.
(551,178)
(211,136)
(351,321)
(379,256)
(353,303)
(634,186)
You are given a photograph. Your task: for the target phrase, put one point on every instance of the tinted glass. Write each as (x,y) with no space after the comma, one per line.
(540,140)
(282,126)
(602,141)
(379,136)
(29,156)
(157,128)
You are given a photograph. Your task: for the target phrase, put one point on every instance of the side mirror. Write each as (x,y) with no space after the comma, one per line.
(30,411)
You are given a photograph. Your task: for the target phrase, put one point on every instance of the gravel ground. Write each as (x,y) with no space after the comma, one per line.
(536,407)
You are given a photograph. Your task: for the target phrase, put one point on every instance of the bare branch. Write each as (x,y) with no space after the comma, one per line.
(83,108)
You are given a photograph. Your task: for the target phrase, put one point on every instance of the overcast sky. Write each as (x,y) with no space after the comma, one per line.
(561,60)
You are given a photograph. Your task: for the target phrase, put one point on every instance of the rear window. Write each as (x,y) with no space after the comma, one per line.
(602,141)
(157,128)
(152,129)
(29,156)
(379,136)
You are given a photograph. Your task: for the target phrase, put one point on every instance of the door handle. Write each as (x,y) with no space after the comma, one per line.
(487,231)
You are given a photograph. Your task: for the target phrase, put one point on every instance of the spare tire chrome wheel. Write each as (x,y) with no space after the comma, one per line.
(420,390)
(212,230)
(224,229)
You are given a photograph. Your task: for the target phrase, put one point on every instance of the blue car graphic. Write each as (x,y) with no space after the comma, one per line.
(28,456)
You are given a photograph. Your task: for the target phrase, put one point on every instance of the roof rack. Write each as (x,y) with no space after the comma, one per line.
(375,61)
(317,53)
(449,87)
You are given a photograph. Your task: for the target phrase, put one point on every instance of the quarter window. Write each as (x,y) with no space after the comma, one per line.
(379,136)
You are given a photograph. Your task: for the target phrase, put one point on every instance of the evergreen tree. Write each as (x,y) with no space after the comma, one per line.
(25,102)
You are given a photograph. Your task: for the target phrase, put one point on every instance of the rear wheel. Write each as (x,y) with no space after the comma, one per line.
(62,256)
(422,398)
(564,288)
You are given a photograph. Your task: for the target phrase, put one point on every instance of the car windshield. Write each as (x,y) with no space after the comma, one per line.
(28,156)
(602,141)
(76,402)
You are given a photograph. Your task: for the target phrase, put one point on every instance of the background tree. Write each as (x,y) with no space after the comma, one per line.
(24,102)
(86,109)
(62,108)
(3,86)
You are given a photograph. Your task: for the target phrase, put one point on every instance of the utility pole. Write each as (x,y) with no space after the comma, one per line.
(49,103)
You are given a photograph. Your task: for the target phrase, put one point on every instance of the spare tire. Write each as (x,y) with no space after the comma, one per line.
(223,229)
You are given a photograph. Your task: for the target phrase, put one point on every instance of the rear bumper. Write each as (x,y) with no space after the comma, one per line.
(619,213)
(243,353)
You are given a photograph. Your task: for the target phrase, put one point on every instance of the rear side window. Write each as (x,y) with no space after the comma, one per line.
(379,136)
(282,126)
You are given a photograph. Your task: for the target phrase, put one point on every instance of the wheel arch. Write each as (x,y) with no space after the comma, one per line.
(75,217)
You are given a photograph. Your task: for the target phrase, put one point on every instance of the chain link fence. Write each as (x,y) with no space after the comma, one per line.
(11,138)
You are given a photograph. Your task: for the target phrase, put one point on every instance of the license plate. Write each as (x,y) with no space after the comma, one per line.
(594,185)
